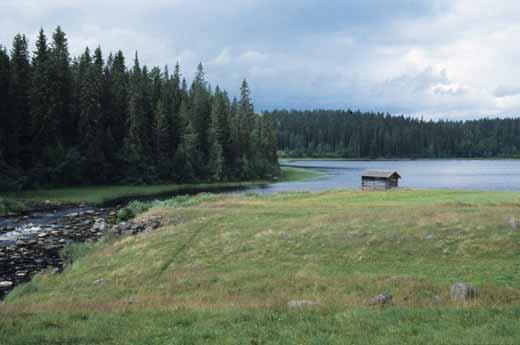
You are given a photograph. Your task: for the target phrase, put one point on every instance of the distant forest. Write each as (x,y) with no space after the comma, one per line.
(348,134)
(91,120)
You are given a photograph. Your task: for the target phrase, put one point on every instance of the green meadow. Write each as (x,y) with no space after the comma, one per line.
(222,271)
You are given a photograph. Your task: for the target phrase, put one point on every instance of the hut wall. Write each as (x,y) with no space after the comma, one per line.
(379,184)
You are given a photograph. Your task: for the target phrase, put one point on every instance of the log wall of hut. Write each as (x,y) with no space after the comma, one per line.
(374,183)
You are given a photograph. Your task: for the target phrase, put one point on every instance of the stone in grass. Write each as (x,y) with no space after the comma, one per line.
(382,299)
(462,292)
(302,304)
(513,223)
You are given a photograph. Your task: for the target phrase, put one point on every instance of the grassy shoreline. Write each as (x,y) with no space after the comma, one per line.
(291,174)
(222,272)
(98,195)
(288,160)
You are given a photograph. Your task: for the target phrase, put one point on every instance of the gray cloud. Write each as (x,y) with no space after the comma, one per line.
(416,57)
(505,91)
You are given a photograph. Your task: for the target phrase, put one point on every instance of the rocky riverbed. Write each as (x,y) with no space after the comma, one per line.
(30,244)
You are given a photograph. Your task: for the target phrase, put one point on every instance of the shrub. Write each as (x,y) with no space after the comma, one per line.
(137,207)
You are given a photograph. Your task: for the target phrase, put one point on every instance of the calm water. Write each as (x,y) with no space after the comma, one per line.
(490,175)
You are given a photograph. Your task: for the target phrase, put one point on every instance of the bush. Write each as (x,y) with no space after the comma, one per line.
(137,207)
(133,209)
(7,206)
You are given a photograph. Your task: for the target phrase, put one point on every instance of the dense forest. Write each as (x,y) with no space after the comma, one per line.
(87,120)
(348,134)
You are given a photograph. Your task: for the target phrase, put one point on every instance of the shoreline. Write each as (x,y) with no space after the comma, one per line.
(48,200)
(288,160)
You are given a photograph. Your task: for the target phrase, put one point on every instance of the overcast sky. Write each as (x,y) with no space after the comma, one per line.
(454,59)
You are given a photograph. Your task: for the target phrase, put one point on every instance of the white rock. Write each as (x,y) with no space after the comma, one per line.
(302,304)
(6,284)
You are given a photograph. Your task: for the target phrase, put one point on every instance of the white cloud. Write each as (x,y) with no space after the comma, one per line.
(252,56)
(224,58)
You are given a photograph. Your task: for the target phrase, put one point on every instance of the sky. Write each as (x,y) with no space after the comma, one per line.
(453,59)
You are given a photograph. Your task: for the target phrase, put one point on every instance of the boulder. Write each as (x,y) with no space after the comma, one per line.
(462,292)
(382,299)
(99,226)
(5,284)
(513,223)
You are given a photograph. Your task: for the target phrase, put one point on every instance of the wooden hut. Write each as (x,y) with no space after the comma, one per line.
(379,179)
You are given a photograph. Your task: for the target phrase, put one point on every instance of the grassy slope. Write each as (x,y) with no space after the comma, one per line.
(222,272)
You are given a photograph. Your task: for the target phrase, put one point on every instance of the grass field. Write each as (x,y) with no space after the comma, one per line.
(222,272)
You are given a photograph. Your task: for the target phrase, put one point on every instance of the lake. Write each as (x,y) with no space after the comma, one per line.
(488,175)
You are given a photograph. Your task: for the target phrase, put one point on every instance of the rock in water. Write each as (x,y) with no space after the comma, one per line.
(461,292)
(100,225)
(381,299)
(5,284)
(302,304)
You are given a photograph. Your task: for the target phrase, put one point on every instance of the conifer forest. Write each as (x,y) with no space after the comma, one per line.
(97,119)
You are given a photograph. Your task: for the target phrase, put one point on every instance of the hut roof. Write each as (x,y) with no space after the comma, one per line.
(380,173)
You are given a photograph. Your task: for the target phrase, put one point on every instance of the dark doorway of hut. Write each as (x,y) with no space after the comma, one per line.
(377,180)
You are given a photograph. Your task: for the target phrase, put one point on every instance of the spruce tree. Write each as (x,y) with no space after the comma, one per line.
(192,156)
(177,93)
(246,124)
(164,142)
(60,88)
(180,156)
(201,112)
(136,143)
(45,126)
(18,135)
(90,114)
(119,99)
(219,135)
(234,151)
(5,100)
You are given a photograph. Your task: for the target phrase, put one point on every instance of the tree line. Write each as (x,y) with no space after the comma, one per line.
(354,134)
(91,120)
